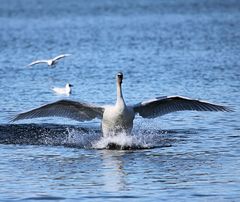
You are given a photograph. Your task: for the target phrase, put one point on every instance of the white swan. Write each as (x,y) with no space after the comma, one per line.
(50,62)
(119,117)
(63,91)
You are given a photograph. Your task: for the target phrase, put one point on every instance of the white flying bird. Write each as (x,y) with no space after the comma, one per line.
(119,117)
(50,62)
(63,91)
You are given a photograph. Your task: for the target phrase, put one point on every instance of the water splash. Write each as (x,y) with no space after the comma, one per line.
(75,138)
(88,138)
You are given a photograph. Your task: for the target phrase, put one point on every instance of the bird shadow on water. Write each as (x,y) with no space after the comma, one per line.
(88,138)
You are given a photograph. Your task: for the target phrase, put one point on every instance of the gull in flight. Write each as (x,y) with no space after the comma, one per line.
(119,118)
(50,62)
(63,91)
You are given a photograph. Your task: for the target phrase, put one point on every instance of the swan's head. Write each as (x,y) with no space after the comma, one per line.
(119,77)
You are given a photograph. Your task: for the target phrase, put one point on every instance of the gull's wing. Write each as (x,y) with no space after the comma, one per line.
(37,62)
(60,57)
(61,91)
(167,104)
(79,111)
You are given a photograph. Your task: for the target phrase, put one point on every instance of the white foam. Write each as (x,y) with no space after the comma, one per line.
(121,141)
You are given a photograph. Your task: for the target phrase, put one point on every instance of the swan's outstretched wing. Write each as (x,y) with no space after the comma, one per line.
(38,62)
(167,104)
(64,108)
(61,56)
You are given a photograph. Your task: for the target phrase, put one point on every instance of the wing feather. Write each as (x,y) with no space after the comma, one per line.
(38,62)
(60,56)
(79,111)
(167,104)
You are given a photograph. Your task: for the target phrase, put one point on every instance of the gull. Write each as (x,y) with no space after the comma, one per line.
(50,62)
(119,118)
(63,91)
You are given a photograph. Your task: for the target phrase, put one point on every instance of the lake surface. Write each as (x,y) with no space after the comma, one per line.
(189,48)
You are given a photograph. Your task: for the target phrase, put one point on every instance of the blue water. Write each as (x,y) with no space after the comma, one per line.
(189,48)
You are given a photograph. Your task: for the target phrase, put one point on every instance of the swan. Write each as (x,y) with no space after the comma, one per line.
(63,91)
(119,118)
(50,62)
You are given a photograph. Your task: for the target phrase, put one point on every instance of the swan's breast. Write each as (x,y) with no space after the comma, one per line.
(117,119)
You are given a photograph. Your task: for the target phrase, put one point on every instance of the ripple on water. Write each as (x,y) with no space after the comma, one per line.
(45,198)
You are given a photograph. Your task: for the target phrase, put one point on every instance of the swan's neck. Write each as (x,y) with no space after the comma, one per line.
(120,100)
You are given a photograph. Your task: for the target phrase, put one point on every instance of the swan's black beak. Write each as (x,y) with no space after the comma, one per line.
(70,85)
